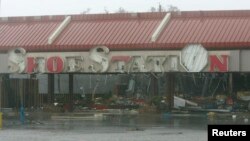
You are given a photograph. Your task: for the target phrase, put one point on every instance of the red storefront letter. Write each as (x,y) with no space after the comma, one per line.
(55,64)
(31,65)
(220,64)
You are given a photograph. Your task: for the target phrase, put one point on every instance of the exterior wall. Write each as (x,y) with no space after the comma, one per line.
(244,61)
(234,61)
(3,63)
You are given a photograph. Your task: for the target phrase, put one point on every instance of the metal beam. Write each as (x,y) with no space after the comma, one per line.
(59,29)
(160,28)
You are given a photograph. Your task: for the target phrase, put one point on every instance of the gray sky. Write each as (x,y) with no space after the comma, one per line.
(64,7)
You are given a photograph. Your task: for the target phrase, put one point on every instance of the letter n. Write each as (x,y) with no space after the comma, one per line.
(218,63)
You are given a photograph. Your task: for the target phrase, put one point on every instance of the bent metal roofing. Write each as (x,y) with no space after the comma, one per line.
(129,31)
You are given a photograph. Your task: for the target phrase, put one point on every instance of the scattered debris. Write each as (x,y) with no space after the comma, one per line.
(171,133)
(136,129)
(211,114)
(180,102)
(234,117)
(246,120)
(243,95)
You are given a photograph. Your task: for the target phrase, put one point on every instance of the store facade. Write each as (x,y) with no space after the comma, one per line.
(130,55)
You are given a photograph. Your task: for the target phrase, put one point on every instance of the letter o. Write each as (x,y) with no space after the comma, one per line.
(55,64)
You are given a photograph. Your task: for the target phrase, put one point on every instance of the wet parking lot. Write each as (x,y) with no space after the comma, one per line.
(164,127)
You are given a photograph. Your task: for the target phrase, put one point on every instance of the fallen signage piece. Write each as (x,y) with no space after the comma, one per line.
(180,102)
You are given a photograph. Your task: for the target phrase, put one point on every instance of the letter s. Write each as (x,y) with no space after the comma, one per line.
(99,55)
(16,62)
(244,133)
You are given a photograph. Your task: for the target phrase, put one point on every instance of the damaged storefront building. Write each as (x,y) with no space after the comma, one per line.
(149,62)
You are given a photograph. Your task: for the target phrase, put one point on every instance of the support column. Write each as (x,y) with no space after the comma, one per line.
(71,96)
(230,87)
(155,86)
(205,86)
(51,88)
(170,90)
(1,94)
(10,94)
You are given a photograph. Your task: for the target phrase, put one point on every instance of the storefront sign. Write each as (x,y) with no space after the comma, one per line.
(100,60)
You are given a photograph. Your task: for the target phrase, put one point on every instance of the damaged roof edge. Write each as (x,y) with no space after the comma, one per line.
(112,16)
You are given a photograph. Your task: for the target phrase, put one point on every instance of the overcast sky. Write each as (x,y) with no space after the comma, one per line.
(66,7)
